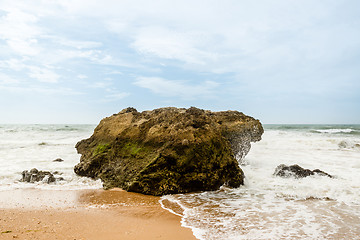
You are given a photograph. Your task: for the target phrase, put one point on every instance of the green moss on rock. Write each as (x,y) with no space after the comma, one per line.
(101,148)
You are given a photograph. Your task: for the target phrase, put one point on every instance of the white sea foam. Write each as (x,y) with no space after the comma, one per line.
(23,147)
(267,207)
(335,130)
(270,207)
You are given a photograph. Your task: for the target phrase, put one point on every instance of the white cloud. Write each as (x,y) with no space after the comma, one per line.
(117,25)
(43,74)
(222,37)
(115,72)
(176,88)
(101,84)
(40,73)
(13,64)
(7,80)
(92,55)
(24,47)
(40,89)
(170,44)
(77,44)
(115,96)
(20,31)
(18,24)
(82,76)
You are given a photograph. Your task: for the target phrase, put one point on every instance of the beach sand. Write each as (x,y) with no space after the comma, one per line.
(86,214)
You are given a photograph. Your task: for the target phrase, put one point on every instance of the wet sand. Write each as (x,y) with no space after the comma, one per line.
(86,214)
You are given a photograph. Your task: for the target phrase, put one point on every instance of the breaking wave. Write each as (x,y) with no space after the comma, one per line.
(269,207)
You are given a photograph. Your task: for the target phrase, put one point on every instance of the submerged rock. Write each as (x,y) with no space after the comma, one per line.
(168,150)
(349,145)
(35,175)
(297,172)
(58,160)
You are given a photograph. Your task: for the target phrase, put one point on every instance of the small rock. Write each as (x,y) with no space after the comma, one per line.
(58,160)
(35,175)
(297,172)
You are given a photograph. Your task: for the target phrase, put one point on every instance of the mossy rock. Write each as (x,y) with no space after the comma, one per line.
(168,150)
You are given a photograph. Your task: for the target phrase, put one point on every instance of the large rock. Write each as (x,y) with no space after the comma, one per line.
(168,150)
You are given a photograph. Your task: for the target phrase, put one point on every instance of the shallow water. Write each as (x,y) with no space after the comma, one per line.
(23,147)
(269,207)
(266,207)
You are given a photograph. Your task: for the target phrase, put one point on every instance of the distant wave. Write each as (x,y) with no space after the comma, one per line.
(353,129)
(46,128)
(347,130)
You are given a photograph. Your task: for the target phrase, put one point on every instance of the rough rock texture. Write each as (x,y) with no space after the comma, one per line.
(168,150)
(35,175)
(297,172)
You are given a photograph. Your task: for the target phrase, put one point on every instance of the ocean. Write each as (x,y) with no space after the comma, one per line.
(266,207)
(23,147)
(270,207)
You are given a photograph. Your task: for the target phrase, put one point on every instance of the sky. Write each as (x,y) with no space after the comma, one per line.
(280,61)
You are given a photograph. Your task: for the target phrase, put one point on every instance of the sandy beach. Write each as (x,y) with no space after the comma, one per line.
(86,214)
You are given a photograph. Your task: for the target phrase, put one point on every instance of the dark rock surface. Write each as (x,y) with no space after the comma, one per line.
(58,160)
(35,175)
(297,172)
(168,150)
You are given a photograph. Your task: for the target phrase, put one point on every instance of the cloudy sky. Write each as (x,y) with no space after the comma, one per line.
(281,61)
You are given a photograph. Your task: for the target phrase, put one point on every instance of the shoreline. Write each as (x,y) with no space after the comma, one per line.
(86,214)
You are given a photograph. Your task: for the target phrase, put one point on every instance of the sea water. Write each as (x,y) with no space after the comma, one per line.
(271,207)
(23,147)
(266,207)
